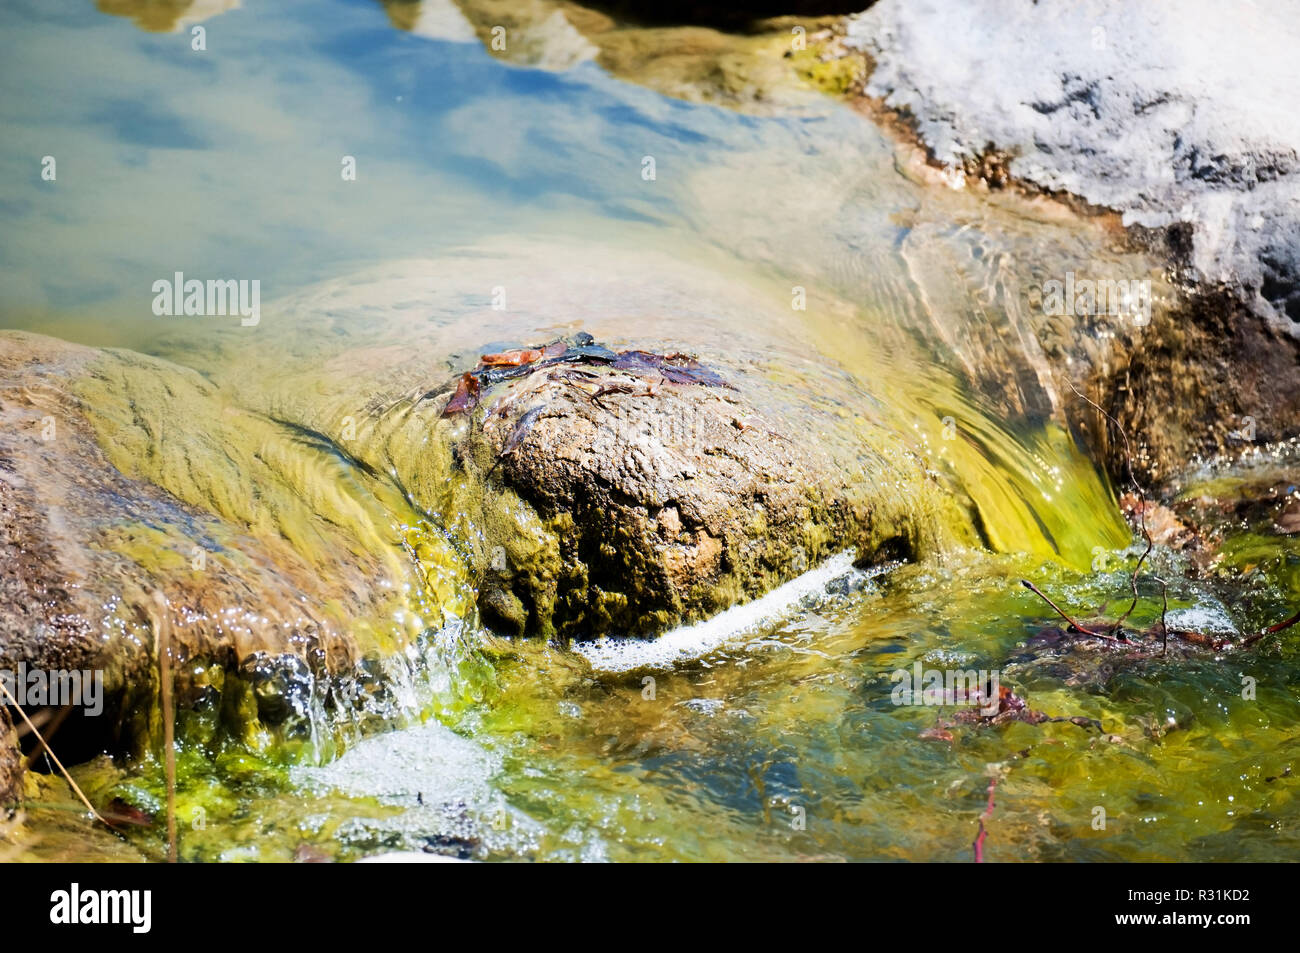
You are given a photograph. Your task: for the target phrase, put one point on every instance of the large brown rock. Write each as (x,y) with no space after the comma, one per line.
(671,501)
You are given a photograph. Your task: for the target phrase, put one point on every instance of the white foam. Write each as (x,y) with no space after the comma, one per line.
(1211,619)
(444,786)
(429,760)
(693,641)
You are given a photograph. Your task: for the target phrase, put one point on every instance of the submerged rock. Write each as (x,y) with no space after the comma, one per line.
(104,555)
(166,16)
(746,58)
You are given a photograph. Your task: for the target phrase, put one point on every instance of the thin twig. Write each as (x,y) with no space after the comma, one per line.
(1141,501)
(1061,612)
(62,770)
(1284,624)
(1133,580)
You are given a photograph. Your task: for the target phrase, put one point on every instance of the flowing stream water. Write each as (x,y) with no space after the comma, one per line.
(769,735)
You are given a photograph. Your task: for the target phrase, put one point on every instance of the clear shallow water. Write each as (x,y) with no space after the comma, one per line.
(784,744)
(226,163)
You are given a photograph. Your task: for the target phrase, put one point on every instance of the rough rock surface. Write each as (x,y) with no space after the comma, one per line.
(1168,113)
(11,764)
(672,501)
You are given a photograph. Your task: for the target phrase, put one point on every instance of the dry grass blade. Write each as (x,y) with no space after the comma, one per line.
(52,725)
(1061,612)
(55,758)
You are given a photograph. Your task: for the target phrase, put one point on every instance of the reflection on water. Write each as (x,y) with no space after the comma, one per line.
(919,291)
(526,167)
(165,16)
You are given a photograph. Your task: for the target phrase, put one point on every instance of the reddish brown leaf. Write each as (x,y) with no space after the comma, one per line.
(513,358)
(120,812)
(1009,700)
(466,397)
(677,368)
(935,734)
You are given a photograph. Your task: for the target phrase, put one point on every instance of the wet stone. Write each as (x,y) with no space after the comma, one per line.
(282,686)
(666,494)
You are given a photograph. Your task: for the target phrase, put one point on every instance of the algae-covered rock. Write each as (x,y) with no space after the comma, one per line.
(671,498)
(1169,125)
(135,501)
(166,16)
(732,56)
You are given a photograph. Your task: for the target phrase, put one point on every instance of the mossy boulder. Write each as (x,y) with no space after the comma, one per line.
(290,507)
(670,501)
(137,504)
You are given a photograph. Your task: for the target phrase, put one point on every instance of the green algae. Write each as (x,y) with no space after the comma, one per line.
(826,68)
(627,768)
(167,425)
(317,512)
(380,485)
(807,722)
(387,480)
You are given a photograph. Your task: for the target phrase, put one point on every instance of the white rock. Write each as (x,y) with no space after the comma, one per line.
(1164,111)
